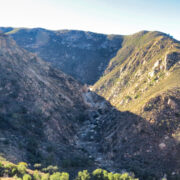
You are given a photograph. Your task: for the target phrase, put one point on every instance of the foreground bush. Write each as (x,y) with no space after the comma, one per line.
(59,176)
(27,177)
(21,167)
(20,172)
(83,175)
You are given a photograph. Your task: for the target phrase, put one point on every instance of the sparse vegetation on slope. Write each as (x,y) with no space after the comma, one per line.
(147,64)
(47,117)
(83,55)
(39,107)
(144,78)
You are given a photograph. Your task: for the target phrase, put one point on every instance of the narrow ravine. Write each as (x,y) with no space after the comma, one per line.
(89,135)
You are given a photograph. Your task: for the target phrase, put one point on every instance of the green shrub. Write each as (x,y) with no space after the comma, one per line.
(37,166)
(45,176)
(14,170)
(36,175)
(55,176)
(83,175)
(59,176)
(21,167)
(17,178)
(137,96)
(1,169)
(117,176)
(27,177)
(100,174)
(110,176)
(10,169)
(50,169)
(125,176)
(64,176)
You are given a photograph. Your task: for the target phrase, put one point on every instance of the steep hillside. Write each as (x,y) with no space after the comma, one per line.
(84,55)
(48,117)
(145,66)
(144,78)
(148,146)
(39,107)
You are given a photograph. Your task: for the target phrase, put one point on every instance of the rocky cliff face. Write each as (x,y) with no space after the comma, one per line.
(83,55)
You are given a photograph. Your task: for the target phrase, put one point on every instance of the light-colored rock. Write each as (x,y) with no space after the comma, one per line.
(151,74)
(162,145)
(172,103)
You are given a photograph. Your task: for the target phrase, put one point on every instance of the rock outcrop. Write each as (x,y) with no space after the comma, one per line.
(171,59)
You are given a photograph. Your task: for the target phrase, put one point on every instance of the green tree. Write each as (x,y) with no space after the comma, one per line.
(110,176)
(1,169)
(27,177)
(50,169)
(100,174)
(64,176)
(10,169)
(36,175)
(116,176)
(55,176)
(21,167)
(45,176)
(59,176)
(37,166)
(83,175)
(126,176)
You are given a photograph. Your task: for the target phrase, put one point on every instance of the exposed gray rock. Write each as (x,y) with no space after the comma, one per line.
(171,59)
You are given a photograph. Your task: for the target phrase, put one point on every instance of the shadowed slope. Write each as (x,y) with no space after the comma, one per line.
(83,55)
(39,106)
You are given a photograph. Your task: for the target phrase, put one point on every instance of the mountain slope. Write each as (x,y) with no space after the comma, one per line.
(39,107)
(146,65)
(83,55)
(144,78)
(48,117)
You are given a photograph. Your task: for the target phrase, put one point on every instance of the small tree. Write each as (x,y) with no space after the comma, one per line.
(1,169)
(45,176)
(21,167)
(111,176)
(27,177)
(50,169)
(117,176)
(36,175)
(37,166)
(64,176)
(55,176)
(10,169)
(83,175)
(100,174)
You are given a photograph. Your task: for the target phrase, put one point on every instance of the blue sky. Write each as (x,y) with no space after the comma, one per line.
(103,16)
